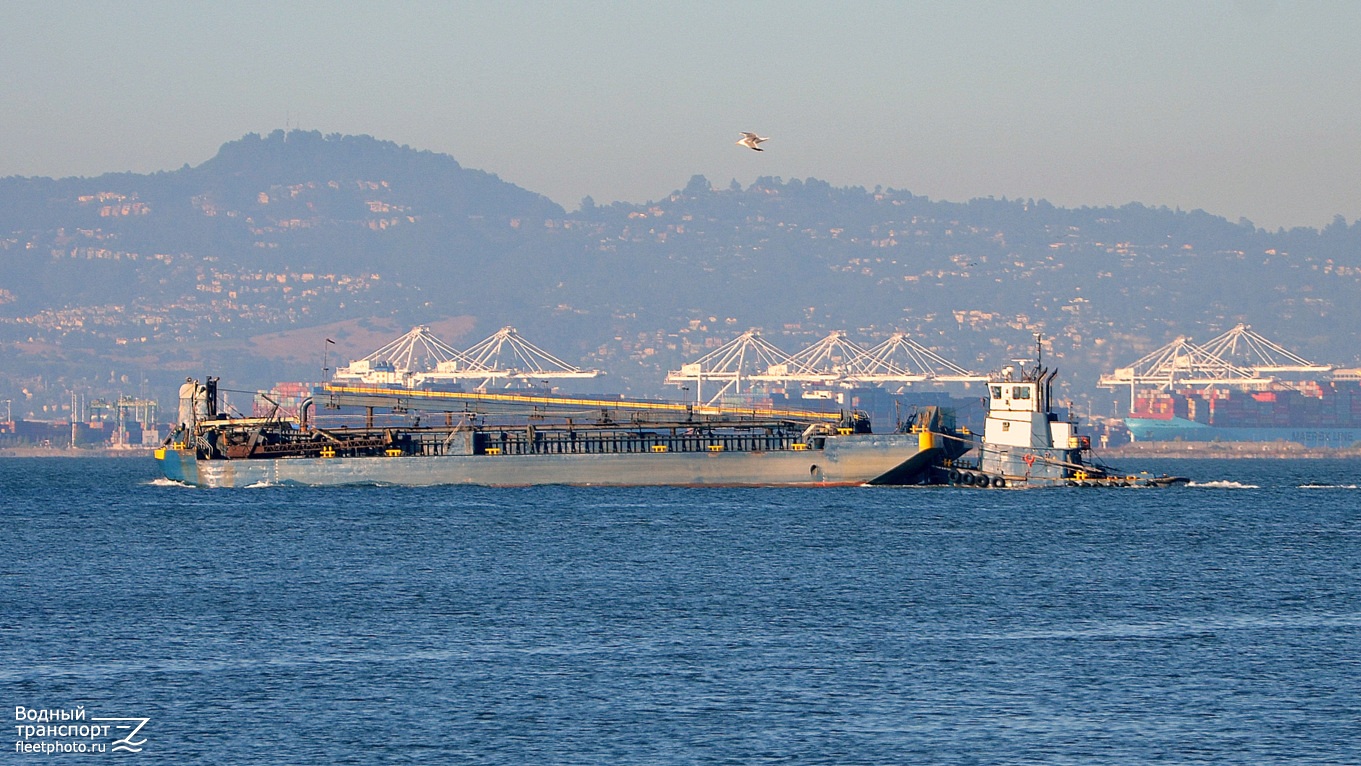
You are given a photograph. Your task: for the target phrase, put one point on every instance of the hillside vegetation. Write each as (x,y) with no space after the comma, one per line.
(126,282)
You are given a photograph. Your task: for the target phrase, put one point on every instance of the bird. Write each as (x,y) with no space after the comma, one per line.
(750,140)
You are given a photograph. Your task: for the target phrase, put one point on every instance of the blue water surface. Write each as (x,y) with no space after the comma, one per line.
(1213,623)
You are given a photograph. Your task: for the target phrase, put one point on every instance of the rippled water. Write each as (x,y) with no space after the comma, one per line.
(1215,623)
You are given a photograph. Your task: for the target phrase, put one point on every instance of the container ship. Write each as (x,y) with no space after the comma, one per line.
(1313,414)
(1240,386)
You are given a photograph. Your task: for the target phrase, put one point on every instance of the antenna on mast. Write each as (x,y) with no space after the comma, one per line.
(325,367)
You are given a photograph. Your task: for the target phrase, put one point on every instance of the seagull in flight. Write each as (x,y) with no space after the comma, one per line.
(750,140)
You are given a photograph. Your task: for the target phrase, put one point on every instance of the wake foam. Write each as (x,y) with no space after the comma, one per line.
(164,482)
(1223,485)
(1313,485)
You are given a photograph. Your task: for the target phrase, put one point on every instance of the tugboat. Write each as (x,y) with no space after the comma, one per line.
(1025,444)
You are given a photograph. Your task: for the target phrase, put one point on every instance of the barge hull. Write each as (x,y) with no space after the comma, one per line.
(849,460)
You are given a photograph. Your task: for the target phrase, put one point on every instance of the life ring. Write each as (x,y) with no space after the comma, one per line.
(1029,460)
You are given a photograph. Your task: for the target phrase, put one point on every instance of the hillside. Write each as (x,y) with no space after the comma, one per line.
(125,283)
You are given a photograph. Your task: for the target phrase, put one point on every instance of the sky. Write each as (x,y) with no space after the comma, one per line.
(1242,108)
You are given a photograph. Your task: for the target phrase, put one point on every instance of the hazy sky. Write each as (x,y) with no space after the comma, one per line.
(1244,109)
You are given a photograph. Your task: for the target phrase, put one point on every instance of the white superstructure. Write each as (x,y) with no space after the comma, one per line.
(1019,416)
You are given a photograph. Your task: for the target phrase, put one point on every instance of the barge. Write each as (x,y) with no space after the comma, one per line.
(426,438)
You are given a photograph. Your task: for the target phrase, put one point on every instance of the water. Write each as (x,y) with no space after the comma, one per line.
(1216,623)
